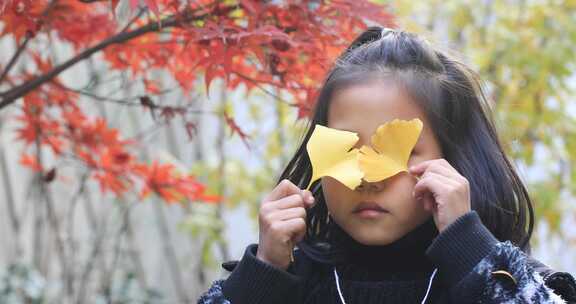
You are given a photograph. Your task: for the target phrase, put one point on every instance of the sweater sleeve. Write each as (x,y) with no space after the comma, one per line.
(480,269)
(214,295)
(253,281)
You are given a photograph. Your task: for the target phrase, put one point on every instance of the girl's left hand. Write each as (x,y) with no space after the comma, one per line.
(442,190)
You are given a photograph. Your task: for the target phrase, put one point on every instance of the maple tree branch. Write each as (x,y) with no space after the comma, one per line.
(13,94)
(22,47)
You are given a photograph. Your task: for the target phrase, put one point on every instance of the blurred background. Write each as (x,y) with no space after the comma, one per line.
(139,136)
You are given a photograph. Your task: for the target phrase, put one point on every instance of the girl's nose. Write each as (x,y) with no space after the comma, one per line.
(369,186)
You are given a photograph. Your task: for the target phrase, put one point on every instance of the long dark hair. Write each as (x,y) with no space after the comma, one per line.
(453,100)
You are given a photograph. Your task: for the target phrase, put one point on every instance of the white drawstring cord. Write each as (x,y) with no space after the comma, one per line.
(344,302)
(338,286)
(429,285)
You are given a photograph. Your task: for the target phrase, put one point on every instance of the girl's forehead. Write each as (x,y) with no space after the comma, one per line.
(362,108)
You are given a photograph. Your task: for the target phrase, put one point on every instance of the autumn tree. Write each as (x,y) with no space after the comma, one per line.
(165,54)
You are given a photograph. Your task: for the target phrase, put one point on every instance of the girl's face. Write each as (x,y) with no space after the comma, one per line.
(361,109)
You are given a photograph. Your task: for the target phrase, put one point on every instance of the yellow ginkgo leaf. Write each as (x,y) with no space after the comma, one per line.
(329,155)
(392,144)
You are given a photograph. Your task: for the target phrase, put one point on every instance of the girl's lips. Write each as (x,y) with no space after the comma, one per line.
(366,206)
(369,213)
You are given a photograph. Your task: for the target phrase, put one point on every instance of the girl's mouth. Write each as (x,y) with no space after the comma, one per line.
(369,210)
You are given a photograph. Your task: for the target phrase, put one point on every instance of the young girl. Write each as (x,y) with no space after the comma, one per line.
(454,228)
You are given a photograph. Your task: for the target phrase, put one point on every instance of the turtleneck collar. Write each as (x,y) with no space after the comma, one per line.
(407,254)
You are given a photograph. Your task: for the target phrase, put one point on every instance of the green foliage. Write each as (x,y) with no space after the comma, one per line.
(524,50)
(22,284)
(205,224)
(128,291)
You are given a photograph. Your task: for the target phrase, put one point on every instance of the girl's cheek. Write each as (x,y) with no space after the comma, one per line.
(413,159)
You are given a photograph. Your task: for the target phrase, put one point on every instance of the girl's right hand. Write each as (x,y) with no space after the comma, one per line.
(282,223)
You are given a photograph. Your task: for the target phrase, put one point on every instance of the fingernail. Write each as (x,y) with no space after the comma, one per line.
(310,199)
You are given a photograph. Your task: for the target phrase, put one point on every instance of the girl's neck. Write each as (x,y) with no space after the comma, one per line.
(407,254)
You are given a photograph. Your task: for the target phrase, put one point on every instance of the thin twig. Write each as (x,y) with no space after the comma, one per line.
(99,230)
(170,253)
(135,256)
(124,102)
(53,219)
(222,172)
(125,212)
(131,22)
(259,85)
(12,213)
(70,222)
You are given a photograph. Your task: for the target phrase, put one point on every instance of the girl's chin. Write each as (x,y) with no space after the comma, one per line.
(374,239)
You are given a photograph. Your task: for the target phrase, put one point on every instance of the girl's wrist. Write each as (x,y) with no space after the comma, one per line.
(263,258)
(459,248)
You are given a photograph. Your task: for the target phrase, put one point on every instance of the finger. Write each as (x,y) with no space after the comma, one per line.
(429,202)
(284,188)
(433,174)
(308,197)
(436,167)
(414,175)
(432,182)
(296,227)
(439,165)
(291,201)
(445,171)
(444,168)
(420,167)
(294,200)
(288,214)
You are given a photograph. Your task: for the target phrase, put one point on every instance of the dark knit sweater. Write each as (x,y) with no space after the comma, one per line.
(395,273)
